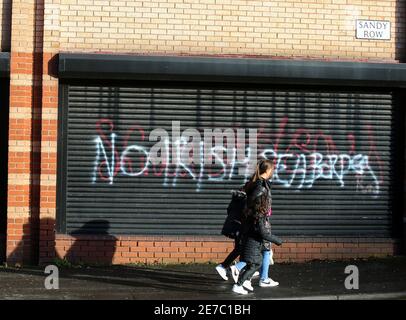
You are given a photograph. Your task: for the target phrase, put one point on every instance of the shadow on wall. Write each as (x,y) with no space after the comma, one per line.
(2,248)
(6,25)
(400,42)
(400,31)
(22,249)
(4,116)
(91,244)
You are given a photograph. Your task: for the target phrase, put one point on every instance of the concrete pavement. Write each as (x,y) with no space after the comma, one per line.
(383,278)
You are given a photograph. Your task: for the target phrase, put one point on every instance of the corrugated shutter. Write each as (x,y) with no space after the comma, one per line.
(306,129)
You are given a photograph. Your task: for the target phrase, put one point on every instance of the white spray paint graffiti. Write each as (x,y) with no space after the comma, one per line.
(109,164)
(306,170)
(321,167)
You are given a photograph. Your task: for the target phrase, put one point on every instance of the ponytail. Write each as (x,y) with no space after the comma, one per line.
(257,173)
(262,166)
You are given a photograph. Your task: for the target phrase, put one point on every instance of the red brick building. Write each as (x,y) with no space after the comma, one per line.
(73,73)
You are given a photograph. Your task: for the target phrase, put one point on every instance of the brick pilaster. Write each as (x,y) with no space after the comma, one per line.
(49,126)
(24,132)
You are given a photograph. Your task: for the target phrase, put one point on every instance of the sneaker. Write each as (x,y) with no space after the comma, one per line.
(222,272)
(271,262)
(256,274)
(247,285)
(239,289)
(268,283)
(235,273)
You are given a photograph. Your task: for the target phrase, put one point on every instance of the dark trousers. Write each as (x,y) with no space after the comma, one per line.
(247,272)
(233,254)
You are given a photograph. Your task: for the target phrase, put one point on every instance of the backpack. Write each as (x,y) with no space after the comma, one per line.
(232,224)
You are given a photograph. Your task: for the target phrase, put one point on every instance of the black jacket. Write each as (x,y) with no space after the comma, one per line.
(257,228)
(260,190)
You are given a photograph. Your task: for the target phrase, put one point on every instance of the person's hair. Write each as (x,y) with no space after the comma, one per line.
(262,166)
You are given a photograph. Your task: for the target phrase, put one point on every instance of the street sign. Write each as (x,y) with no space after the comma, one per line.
(373,29)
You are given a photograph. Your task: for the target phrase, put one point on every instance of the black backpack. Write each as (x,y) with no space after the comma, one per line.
(232,224)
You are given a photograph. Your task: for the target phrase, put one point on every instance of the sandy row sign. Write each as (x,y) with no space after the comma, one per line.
(373,30)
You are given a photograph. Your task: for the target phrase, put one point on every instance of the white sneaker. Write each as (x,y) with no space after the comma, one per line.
(239,289)
(222,272)
(247,285)
(268,283)
(235,273)
(256,274)
(271,262)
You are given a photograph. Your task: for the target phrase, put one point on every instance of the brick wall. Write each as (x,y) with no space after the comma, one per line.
(25,131)
(4,94)
(116,250)
(41,29)
(49,129)
(5,38)
(292,28)
(21,138)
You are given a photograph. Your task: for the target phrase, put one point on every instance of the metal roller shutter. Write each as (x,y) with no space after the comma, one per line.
(333,149)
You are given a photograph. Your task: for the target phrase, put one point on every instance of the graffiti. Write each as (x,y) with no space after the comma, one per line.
(298,166)
(309,168)
(125,168)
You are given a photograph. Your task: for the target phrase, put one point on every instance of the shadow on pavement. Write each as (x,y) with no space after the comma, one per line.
(200,281)
(136,277)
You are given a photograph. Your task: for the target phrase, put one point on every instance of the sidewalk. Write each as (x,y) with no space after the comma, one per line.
(378,279)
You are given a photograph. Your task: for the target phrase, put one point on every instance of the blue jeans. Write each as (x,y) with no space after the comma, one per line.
(263,271)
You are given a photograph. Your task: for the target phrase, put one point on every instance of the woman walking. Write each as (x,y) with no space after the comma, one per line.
(256,227)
